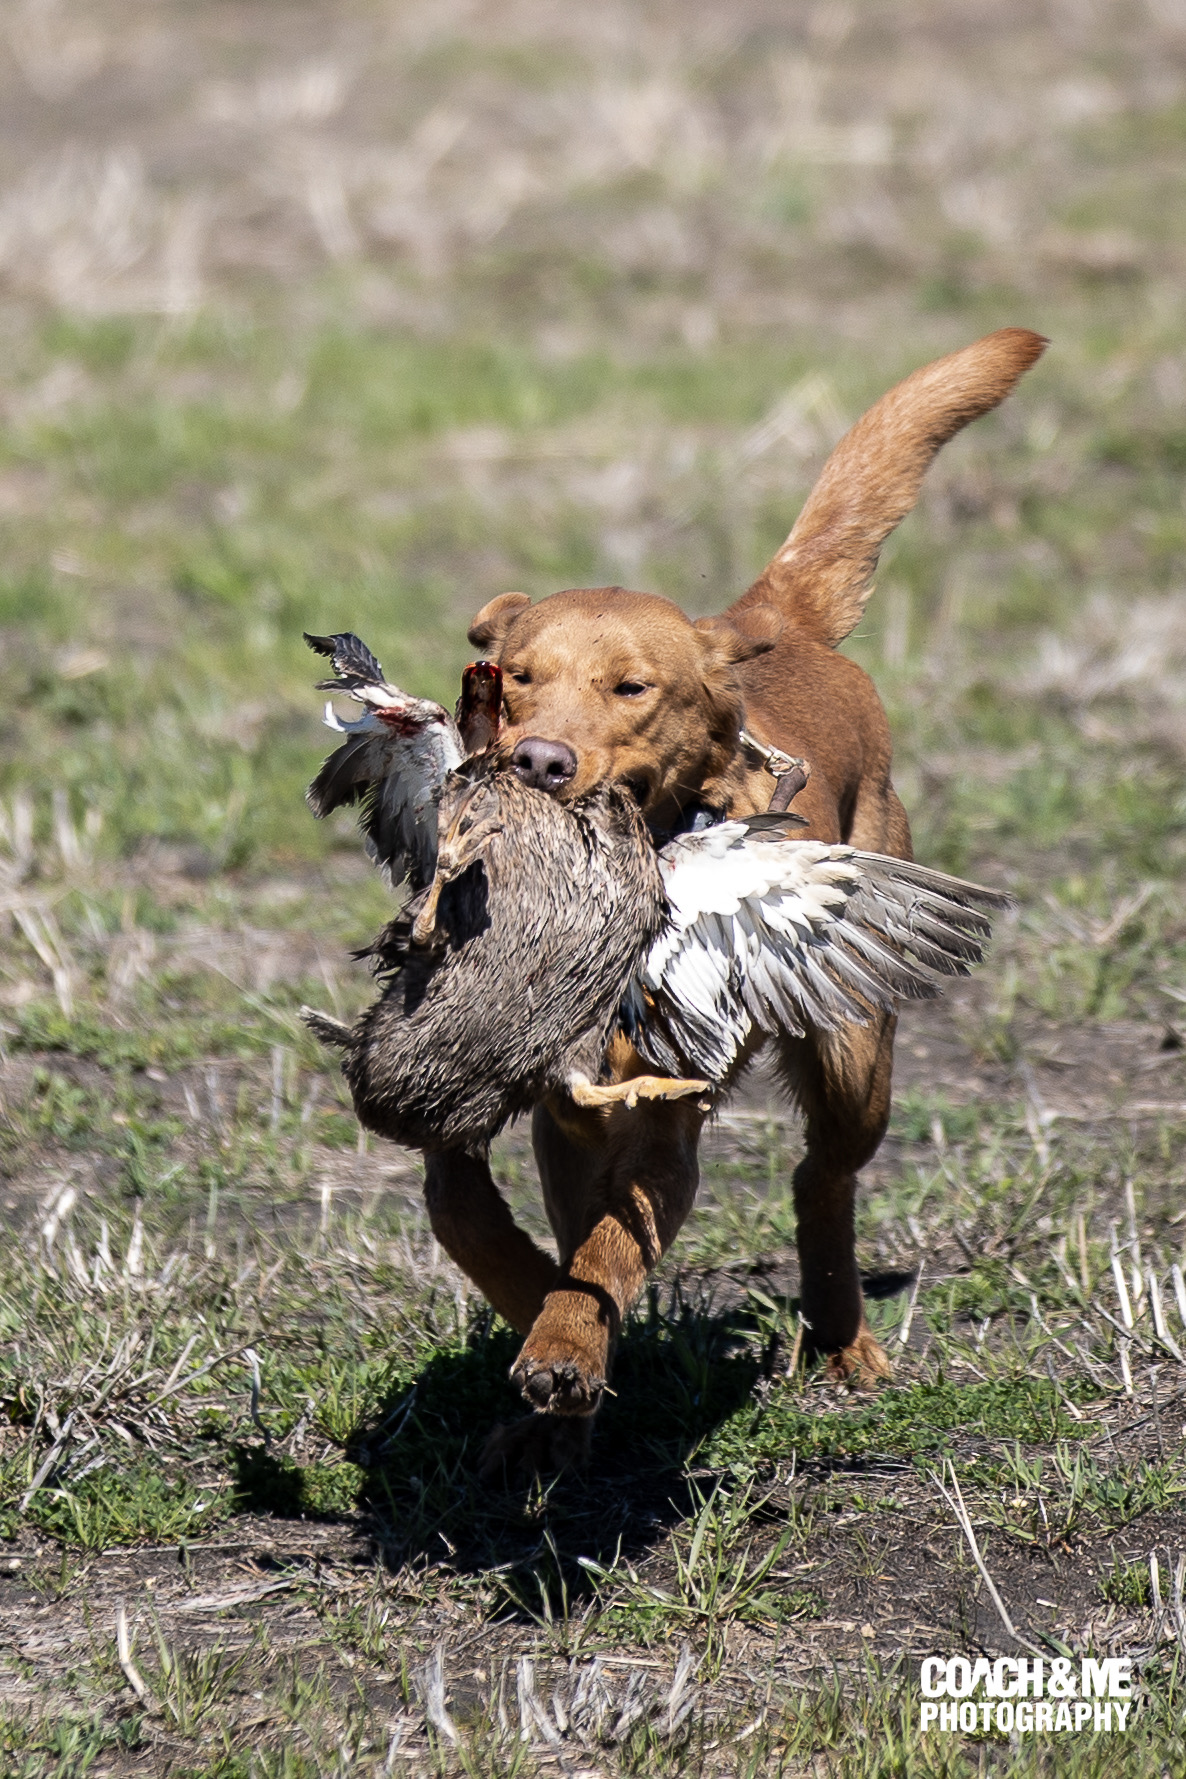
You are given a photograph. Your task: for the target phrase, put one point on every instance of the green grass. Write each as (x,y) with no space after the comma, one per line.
(1128,1584)
(69,1744)
(918,1423)
(135,1504)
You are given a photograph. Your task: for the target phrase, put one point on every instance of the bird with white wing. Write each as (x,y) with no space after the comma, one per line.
(539,931)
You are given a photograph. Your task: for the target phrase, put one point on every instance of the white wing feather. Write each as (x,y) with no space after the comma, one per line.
(771,934)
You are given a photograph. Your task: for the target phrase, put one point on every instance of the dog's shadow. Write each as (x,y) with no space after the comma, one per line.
(680,1373)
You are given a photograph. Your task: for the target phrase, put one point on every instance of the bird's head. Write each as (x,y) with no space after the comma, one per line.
(479,709)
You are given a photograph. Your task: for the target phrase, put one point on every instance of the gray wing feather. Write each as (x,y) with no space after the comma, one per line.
(400,820)
(398,786)
(350,771)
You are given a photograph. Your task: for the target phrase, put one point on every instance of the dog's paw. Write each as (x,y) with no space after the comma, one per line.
(538,1445)
(564,1361)
(861,1365)
(558,1384)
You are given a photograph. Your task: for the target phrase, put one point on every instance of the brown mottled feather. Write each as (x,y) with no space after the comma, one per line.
(539,938)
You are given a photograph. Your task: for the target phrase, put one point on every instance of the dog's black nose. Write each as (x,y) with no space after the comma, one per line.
(544,765)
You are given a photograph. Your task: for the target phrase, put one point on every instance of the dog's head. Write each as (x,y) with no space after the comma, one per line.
(606,685)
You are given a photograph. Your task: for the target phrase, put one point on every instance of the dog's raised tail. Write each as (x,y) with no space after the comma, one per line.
(822,577)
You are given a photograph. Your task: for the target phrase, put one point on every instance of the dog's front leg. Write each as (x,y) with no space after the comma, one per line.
(471,1220)
(616,1205)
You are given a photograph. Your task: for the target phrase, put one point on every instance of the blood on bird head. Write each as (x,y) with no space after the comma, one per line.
(481,683)
(404,722)
(479,709)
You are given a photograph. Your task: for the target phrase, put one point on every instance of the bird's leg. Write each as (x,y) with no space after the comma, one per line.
(479,709)
(628,1093)
(456,852)
(424,927)
(460,849)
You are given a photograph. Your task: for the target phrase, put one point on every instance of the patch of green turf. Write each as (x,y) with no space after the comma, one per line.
(1127,1584)
(64,1745)
(918,1422)
(264,1484)
(130,1505)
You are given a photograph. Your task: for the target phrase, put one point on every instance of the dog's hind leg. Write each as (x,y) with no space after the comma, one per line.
(472,1221)
(841,1082)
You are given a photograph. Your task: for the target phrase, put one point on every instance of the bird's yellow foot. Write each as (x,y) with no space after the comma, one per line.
(628,1093)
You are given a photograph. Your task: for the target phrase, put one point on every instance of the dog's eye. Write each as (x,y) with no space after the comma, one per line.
(630,688)
(521,679)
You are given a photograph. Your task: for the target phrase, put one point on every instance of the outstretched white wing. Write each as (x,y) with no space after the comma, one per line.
(777,935)
(394,762)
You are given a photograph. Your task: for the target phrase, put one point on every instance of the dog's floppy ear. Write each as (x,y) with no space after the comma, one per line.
(752,631)
(495,618)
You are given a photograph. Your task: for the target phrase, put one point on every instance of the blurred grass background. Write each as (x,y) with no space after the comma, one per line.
(353,316)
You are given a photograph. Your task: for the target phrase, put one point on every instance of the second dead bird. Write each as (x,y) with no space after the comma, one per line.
(548,928)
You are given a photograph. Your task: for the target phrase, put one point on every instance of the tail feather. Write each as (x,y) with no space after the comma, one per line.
(822,577)
(329,1030)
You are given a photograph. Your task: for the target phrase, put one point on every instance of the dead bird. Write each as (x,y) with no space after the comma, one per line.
(484,1013)
(547,928)
(398,755)
(505,979)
